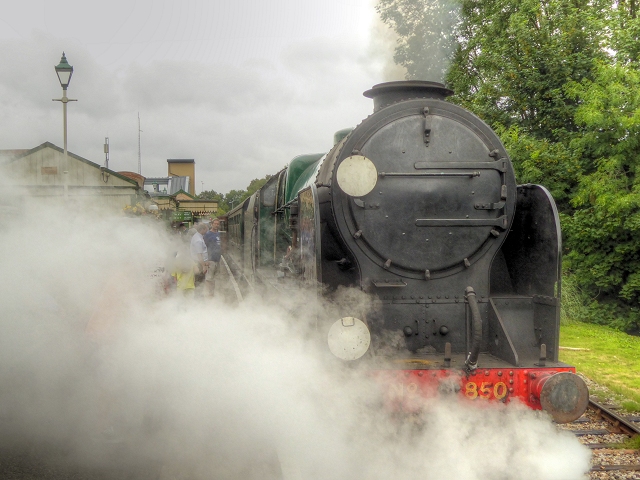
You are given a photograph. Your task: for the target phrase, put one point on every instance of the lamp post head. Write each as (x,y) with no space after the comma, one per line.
(64,72)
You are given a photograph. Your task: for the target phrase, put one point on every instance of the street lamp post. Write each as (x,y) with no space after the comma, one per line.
(64,72)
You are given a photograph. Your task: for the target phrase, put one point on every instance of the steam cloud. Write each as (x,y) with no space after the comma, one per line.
(209,389)
(427,45)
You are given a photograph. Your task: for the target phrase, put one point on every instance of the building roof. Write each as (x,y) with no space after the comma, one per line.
(198,207)
(182,192)
(178,160)
(7,155)
(159,180)
(134,176)
(74,156)
(174,184)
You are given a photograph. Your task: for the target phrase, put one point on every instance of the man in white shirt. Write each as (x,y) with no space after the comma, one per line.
(199,253)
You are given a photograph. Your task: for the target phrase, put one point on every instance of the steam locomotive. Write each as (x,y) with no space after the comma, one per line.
(418,209)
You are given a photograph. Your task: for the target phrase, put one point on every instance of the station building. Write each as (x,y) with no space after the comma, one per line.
(176,193)
(39,173)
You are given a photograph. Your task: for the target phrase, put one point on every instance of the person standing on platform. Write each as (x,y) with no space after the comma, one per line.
(199,254)
(184,275)
(214,249)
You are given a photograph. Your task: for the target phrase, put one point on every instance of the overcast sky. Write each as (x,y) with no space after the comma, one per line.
(240,86)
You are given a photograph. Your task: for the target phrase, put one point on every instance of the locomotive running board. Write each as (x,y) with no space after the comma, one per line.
(389,283)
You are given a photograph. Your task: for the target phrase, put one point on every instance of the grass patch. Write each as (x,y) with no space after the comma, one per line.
(610,358)
(631,406)
(632,443)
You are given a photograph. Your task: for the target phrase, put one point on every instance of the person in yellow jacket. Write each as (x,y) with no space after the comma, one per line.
(184,274)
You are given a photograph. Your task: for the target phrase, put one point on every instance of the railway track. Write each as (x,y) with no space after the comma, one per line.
(618,423)
(605,431)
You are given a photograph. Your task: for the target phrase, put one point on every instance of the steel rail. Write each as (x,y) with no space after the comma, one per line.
(617,424)
(613,468)
(616,421)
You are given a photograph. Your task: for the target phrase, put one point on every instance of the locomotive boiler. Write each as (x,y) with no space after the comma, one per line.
(418,208)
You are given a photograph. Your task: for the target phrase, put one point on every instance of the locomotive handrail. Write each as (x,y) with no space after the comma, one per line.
(439,174)
(500,165)
(285,206)
(463,222)
(471,363)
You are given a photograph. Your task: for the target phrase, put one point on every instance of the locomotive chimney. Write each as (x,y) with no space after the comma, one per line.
(385,94)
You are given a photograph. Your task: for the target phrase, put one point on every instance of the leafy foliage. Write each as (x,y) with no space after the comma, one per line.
(541,161)
(625,38)
(603,234)
(211,195)
(234,197)
(514,58)
(574,301)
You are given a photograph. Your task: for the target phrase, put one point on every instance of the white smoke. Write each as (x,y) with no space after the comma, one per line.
(427,42)
(210,389)
(384,41)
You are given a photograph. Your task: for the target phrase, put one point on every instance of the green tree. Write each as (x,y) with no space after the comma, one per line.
(625,33)
(210,195)
(603,234)
(514,58)
(227,201)
(555,165)
(256,184)
(234,198)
